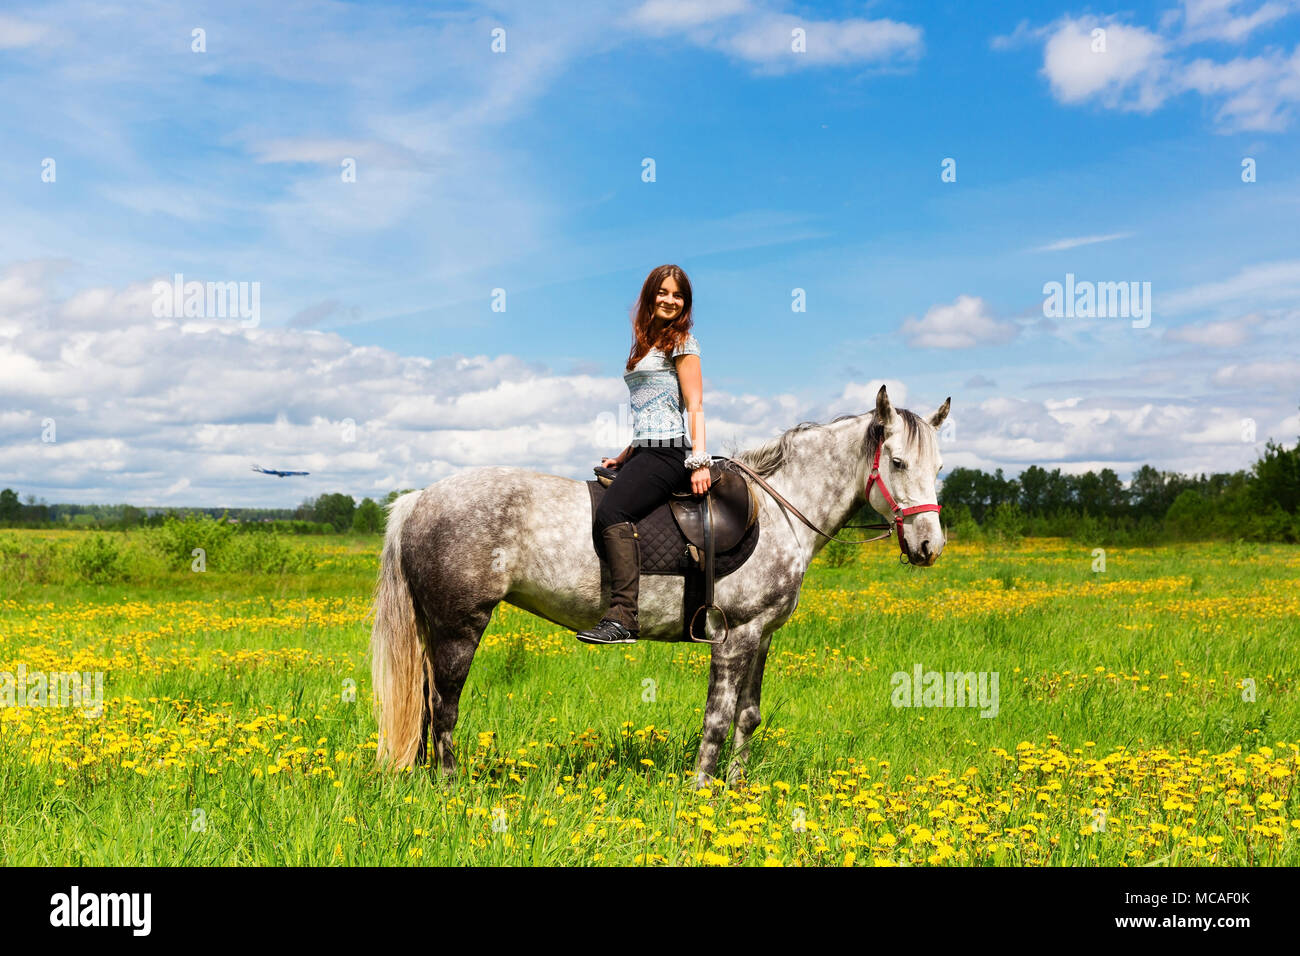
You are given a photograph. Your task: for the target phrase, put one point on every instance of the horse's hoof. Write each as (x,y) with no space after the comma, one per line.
(701,781)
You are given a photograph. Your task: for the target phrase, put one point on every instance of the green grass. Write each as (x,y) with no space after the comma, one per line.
(567,757)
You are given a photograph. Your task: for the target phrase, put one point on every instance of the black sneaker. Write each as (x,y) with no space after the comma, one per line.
(607,632)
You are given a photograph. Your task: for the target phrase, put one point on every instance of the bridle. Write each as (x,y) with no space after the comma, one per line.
(872,479)
(899,513)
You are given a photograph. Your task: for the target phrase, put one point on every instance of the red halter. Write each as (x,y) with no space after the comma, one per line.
(899,513)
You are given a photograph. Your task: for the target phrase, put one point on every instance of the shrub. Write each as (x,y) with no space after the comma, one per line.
(178,537)
(97,559)
(1007,522)
(263,553)
(27,561)
(960,524)
(1189,515)
(1147,532)
(1091,530)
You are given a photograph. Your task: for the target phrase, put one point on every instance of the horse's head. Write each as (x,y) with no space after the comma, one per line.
(905,449)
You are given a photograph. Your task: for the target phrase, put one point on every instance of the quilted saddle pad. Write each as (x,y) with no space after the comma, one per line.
(664,551)
(663,546)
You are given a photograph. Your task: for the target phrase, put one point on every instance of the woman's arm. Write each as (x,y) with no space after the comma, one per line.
(618,460)
(691,380)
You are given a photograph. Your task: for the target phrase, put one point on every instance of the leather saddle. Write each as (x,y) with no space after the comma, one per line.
(725,513)
(713,524)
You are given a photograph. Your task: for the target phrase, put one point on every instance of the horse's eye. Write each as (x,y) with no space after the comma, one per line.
(898,463)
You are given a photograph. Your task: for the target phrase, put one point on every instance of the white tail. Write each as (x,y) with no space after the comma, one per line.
(397,663)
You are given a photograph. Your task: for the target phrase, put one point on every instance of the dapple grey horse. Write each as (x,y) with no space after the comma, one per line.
(455,550)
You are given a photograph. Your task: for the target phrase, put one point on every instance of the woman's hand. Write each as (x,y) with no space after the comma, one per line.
(611,463)
(700,480)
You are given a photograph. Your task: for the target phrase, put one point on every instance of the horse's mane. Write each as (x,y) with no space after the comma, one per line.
(769,456)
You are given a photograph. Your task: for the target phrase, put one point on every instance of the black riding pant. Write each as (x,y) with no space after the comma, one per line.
(643,482)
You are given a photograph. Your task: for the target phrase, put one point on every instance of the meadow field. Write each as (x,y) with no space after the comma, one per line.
(1147,715)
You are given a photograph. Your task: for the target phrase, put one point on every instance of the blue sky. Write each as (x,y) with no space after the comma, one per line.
(522,170)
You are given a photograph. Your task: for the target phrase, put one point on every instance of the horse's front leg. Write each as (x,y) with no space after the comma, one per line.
(748,716)
(730,665)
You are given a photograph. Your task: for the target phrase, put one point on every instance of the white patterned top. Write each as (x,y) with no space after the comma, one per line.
(657,394)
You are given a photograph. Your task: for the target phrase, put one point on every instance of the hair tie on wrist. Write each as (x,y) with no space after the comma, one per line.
(698,461)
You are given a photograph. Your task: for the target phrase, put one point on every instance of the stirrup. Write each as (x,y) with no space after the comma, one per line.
(706,608)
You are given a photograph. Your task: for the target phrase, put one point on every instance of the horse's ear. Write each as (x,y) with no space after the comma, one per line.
(937,418)
(884,410)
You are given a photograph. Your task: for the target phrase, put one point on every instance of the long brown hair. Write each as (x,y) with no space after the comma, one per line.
(668,336)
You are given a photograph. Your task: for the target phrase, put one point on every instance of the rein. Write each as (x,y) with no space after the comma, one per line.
(874,478)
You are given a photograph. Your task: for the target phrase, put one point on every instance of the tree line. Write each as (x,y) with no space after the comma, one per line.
(328,514)
(1259,503)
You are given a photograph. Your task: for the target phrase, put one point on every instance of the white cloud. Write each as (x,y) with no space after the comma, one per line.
(1072,243)
(1141,69)
(1253,284)
(1216,20)
(331,152)
(1258,92)
(1225,334)
(767,40)
(862,395)
(764,36)
(16,33)
(1022,35)
(184,202)
(19,289)
(1284,373)
(1127,73)
(672,14)
(963,324)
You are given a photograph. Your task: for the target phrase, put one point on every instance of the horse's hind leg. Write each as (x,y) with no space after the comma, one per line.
(452,650)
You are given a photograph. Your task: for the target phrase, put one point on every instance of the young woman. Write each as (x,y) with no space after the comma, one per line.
(663,376)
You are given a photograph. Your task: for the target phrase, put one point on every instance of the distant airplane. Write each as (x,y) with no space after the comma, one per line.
(282,474)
